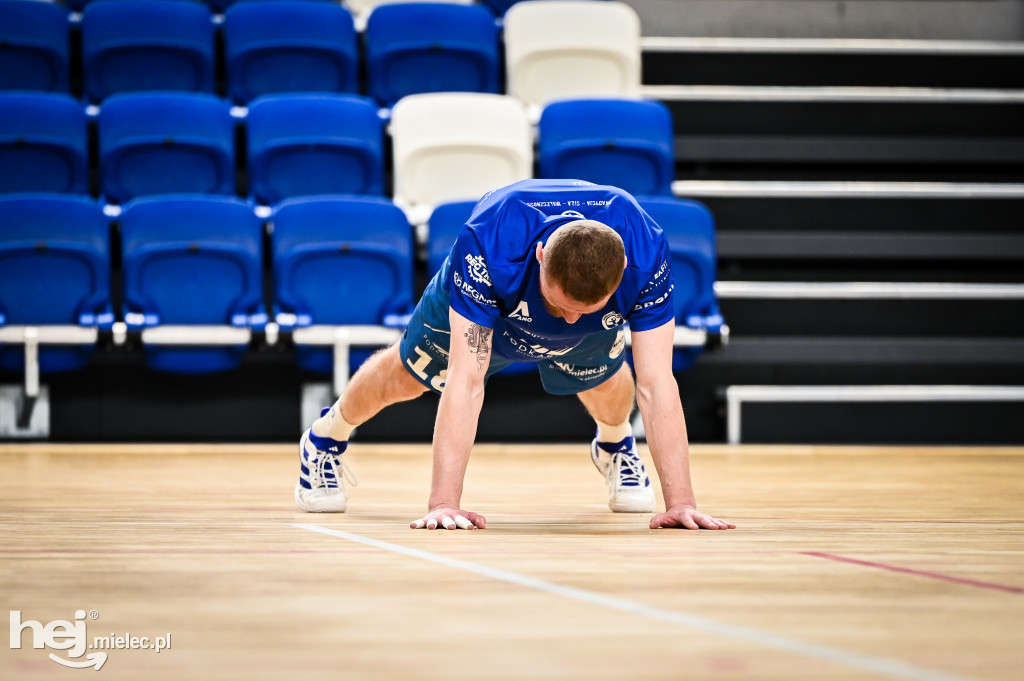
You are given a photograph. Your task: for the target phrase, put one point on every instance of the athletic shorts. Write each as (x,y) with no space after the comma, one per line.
(424,351)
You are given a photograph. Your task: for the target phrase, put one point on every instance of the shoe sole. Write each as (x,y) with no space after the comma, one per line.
(333,503)
(646,505)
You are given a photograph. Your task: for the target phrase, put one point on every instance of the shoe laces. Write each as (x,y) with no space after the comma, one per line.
(629,468)
(328,465)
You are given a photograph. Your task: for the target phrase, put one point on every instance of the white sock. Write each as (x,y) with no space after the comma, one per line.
(611,434)
(333,425)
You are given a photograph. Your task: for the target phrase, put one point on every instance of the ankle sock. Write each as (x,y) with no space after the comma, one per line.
(613,434)
(333,425)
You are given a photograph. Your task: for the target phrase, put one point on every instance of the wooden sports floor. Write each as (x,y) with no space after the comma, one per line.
(848,563)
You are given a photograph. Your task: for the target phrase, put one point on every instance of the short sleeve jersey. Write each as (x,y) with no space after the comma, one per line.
(492,276)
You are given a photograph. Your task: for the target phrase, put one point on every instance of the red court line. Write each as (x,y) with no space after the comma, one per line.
(869,521)
(918,573)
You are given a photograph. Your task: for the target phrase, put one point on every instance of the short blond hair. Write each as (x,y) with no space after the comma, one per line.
(586,259)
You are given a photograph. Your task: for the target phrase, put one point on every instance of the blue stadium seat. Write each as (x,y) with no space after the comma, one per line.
(302,145)
(44,143)
(690,230)
(414,48)
(33,46)
(445,224)
(622,142)
(165,143)
(54,270)
(286,46)
(220,5)
(340,261)
(147,45)
(192,261)
(498,7)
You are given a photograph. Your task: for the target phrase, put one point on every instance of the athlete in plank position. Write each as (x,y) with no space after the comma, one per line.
(544,271)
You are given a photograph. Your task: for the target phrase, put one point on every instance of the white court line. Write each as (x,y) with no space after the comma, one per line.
(765,639)
(511,525)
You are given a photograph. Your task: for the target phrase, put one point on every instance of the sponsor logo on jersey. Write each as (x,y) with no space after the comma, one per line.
(584,373)
(619,345)
(535,350)
(522,312)
(471,292)
(542,351)
(656,278)
(574,214)
(657,301)
(442,352)
(478,269)
(611,320)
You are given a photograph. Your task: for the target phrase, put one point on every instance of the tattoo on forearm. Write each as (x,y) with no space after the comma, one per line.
(478,337)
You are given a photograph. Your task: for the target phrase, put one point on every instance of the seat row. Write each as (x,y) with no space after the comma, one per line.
(444,146)
(192,272)
(552,48)
(499,7)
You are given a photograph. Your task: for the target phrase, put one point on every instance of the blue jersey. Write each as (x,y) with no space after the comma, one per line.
(492,276)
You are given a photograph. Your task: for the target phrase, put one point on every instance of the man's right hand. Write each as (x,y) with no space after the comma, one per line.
(450,519)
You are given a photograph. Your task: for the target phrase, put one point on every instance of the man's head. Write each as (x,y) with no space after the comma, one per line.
(580,267)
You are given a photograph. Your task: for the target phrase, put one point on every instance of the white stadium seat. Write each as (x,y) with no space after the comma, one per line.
(457,146)
(570,49)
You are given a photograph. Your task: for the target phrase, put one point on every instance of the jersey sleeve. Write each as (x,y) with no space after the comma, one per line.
(470,288)
(654,306)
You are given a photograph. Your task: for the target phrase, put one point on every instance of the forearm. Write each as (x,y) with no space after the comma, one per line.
(666,436)
(457,414)
(454,434)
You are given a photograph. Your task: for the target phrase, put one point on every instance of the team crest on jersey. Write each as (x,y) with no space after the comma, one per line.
(611,320)
(478,269)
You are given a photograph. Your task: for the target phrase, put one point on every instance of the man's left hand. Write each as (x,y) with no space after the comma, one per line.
(689,518)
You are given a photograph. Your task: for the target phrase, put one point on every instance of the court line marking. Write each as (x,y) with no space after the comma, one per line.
(764,639)
(916,573)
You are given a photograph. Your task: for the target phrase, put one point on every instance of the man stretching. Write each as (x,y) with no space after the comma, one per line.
(544,271)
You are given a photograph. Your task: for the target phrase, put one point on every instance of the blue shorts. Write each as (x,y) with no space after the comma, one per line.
(424,351)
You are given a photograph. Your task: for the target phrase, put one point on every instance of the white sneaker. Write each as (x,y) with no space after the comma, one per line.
(322,475)
(629,488)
